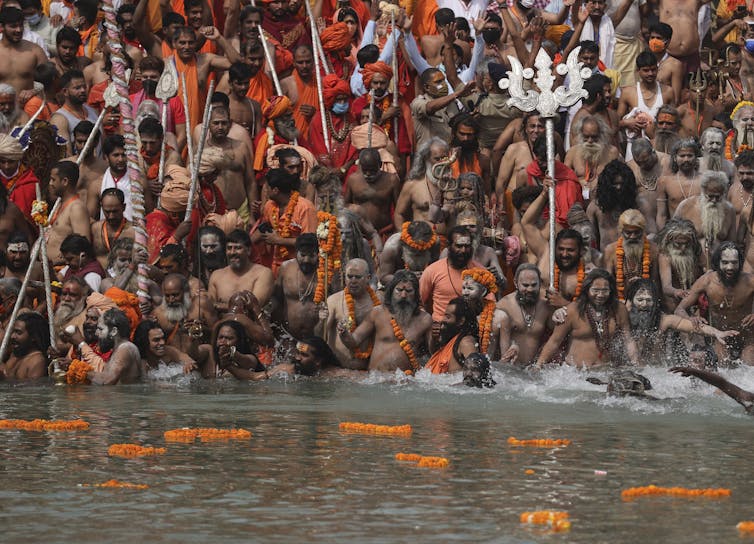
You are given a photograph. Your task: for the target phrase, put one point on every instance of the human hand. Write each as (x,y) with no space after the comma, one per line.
(25,96)
(390,112)
(140,256)
(511,354)
(583,14)
(56,20)
(145,307)
(374,10)
(323,312)
(255,208)
(342,327)
(721,336)
(182,231)
(307,110)
(271,238)
(559,315)
(478,23)
(555,298)
(210,32)
(680,294)
(408,22)
(448,33)
(698,322)
(189,367)
(155,186)
(747,321)
(467,89)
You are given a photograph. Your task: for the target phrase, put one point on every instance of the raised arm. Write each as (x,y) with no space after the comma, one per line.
(741,396)
(536,242)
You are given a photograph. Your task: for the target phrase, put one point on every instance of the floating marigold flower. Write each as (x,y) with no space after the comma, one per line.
(206,434)
(118,484)
(745,526)
(44,425)
(423,461)
(77,372)
(539,442)
(133,450)
(528,471)
(557,521)
(369,428)
(410,457)
(653,490)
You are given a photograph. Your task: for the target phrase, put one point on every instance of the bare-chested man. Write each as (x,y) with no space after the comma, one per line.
(240,274)
(598,104)
(730,293)
(680,260)
(633,253)
(92,167)
(151,135)
(244,111)
(124,366)
(477,284)
(598,325)
(18,57)
(373,190)
(353,304)
(113,227)
(685,180)
(647,165)
(29,342)
(72,216)
(518,156)
(696,114)
(400,317)
(526,317)
(414,248)
(590,152)
(11,218)
(671,70)
(712,215)
(740,192)
(419,190)
(293,298)
(713,159)
(616,193)
(682,16)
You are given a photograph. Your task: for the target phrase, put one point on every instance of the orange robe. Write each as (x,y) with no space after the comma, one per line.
(439,363)
(464,168)
(307,94)
(32,105)
(303,219)
(167,51)
(260,87)
(89,41)
(424,18)
(194,94)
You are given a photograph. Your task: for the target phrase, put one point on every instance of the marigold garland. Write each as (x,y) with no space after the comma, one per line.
(483,277)
(405,345)
(118,484)
(330,251)
(77,372)
(423,461)
(370,428)
(133,450)
(351,306)
(485,325)
(557,521)
(620,254)
(745,526)
(39,211)
(539,442)
(579,279)
(283,224)
(653,490)
(44,425)
(205,434)
(413,244)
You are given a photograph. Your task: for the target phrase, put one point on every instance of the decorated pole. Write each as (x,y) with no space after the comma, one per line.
(546,102)
(189,135)
(370,126)
(317,49)
(120,81)
(167,88)
(394,63)
(27,126)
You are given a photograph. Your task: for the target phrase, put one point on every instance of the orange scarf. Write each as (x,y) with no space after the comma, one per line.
(195,97)
(307,95)
(439,363)
(260,87)
(473,167)
(89,41)
(153,164)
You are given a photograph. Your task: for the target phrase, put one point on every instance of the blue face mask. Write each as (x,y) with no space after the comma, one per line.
(750,45)
(34,19)
(339,108)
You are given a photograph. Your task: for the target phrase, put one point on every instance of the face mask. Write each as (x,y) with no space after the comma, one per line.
(527,4)
(440,90)
(491,35)
(34,20)
(656,45)
(149,86)
(339,108)
(750,45)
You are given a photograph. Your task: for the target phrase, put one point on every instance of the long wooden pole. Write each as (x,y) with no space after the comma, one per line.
(46,272)
(318,77)
(199,151)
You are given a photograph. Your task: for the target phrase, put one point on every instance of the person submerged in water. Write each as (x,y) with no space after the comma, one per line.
(741,396)
(477,371)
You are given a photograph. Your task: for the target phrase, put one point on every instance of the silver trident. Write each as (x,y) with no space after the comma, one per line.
(547,102)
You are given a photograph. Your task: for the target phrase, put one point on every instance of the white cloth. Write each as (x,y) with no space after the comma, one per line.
(605,38)
(642,107)
(124,184)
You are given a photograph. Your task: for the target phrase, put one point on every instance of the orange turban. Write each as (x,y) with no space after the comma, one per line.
(276,106)
(128,303)
(370,70)
(175,193)
(335,37)
(332,87)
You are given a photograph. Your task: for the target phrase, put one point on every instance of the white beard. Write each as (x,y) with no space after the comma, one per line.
(176,314)
(683,265)
(712,219)
(591,153)
(714,162)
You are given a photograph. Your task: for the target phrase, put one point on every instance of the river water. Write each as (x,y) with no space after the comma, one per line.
(299,479)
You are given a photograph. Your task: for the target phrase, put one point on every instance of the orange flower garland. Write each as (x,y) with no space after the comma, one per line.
(330,250)
(77,372)
(405,345)
(130,451)
(579,279)
(44,425)
(39,211)
(483,277)
(283,224)
(370,428)
(485,326)
(206,434)
(423,461)
(118,484)
(558,521)
(413,244)
(653,490)
(745,526)
(729,145)
(359,354)
(539,442)
(620,254)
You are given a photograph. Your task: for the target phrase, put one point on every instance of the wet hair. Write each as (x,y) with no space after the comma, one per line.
(717,255)
(141,336)
(174,251)
(113,142)
(463,310)
(656,313)
(321,350)
(68,170)
(239,71)
(67,34)
(368,54)
(684,143)
(115,318)
(37,329)
(594,86)
(121,244)
(527,266)
(480,362)
(150,127)
(570,234)
(663,29)
(645,59)
(402,276)
(419,163)
(243,345)
(745,158)
(608,199)
(239,236)
(525,195)
(583,298)
(75,243)
(69,76)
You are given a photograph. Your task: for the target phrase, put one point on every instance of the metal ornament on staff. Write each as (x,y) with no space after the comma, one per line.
(199,151)
(167,88)
(268,57)
(371,118)
(698,84)
(111,100)
(318,77)
(546,102)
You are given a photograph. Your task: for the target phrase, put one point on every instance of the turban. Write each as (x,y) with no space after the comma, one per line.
(555,33)
(10,149)
(370,70)
(335,37)
(276,106)
(576,215)
(332,87)
(226,223)
(307,158)
(128,303)
(99,302)
(212,158)
(174,195)
(360,138)
(632,218)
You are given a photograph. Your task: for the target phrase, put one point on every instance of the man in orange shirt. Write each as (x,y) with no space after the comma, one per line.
(301,88)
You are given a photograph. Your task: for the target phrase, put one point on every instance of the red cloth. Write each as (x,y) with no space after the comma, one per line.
(340,151)
(22,190)
(290,32)
(160,227)
(567,189)
(332,87)
(92,266)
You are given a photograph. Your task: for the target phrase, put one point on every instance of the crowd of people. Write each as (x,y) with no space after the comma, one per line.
(344,186)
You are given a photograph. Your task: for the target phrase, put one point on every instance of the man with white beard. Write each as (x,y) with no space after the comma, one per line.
(70,310)
(712,215)
(743,127)
(666,128)
(713,142)
(679,260)
(592,151)
(632,256)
